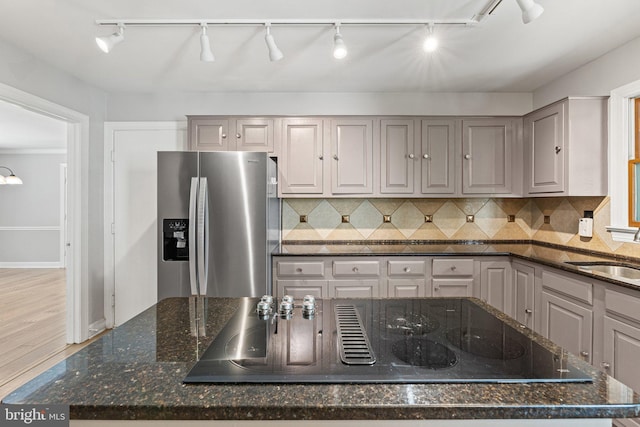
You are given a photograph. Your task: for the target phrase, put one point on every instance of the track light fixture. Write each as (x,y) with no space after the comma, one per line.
(275,54)
(106,43)
(339,48)
(430,42)
(530,10)
(205,48)
(12,179)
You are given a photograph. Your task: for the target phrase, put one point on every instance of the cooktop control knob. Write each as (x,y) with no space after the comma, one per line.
(286,308)
(288,298)
(308,309)
(263,308)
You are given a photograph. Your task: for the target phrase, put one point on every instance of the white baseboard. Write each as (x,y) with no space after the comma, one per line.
(54,264)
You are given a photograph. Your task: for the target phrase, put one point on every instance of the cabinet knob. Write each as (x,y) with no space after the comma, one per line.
(558,149)
(355,269)
(224,136)
(425,156)
(584,354)
(528,311)
(411,156)
(335,156)
(453,268)
(298,270)
(407,270)
(321,157)
(436,289)
(467,156)
(605,365)
(238,135)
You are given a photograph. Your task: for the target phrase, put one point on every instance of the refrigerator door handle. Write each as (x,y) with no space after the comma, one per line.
(203,235)
(193,273)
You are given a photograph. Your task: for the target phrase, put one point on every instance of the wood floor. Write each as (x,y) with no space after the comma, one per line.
(32,324)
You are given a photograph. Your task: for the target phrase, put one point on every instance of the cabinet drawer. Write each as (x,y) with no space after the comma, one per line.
(406,268)
(623,304)
(356,268)
(582,291)
(300,269)
(453,267)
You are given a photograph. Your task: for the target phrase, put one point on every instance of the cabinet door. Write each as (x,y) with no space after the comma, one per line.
(406,288)
(397,156)
(254,135)
(621,355)
(461,287)
(495,285)
(301,160)
(567,324)
(437,157)
(544,149)
(523,294)
(352,156)
(354,289)
(299,288)
(209,134)
(486,156)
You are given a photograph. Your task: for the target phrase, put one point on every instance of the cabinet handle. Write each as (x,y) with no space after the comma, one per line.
(425,156)
(528,311)
(321,157)
(584,354)
(467,156)
(355,269)
(238,135)
(407,270)
(558,149)
(335,156)
(224,136)
(605,365)
(411,156)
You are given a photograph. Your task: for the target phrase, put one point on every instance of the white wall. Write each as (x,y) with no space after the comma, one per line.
(174,106)
(27,73)
(597,78)
(30,214)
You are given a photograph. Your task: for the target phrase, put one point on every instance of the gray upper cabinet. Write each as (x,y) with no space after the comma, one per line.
(352,156)
(437,167)
(397,156)
(565,144)
(487,147)
(208,133)
(301,162)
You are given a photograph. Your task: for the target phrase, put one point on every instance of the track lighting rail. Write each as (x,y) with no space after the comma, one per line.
(287,22)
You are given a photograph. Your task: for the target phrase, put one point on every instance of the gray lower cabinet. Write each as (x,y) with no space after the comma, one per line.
(567,313)
(523,289)
(495,285)
(406,278)
(622,340)
(453,277)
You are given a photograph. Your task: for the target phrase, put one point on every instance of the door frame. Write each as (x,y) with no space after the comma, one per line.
(77,286)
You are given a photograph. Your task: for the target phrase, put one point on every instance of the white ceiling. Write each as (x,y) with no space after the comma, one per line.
(499,54)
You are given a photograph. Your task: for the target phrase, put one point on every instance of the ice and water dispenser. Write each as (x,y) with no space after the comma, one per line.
(175,236)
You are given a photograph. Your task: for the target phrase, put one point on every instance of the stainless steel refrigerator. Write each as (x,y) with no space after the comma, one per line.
(218,221)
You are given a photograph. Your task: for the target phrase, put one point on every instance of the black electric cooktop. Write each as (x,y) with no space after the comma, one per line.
(377,341)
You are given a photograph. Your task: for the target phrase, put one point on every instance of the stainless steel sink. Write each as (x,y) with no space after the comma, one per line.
(610,269)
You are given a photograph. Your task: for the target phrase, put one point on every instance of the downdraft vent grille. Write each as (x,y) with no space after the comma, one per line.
(353,342)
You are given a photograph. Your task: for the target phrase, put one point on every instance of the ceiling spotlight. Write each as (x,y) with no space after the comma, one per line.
(431,42)
(205,48)
(275,54)
(339,48)
(11,179)
(530,10)
(107,43)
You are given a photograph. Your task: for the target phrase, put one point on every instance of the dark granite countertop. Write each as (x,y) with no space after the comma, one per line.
(136,370)
(542,253)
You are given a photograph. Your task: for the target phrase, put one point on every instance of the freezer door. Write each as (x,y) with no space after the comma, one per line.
(237,254)
(175,172)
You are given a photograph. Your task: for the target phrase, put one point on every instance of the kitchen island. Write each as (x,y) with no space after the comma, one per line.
(136,372)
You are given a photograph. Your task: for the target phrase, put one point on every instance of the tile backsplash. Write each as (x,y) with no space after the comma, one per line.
(452,219)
